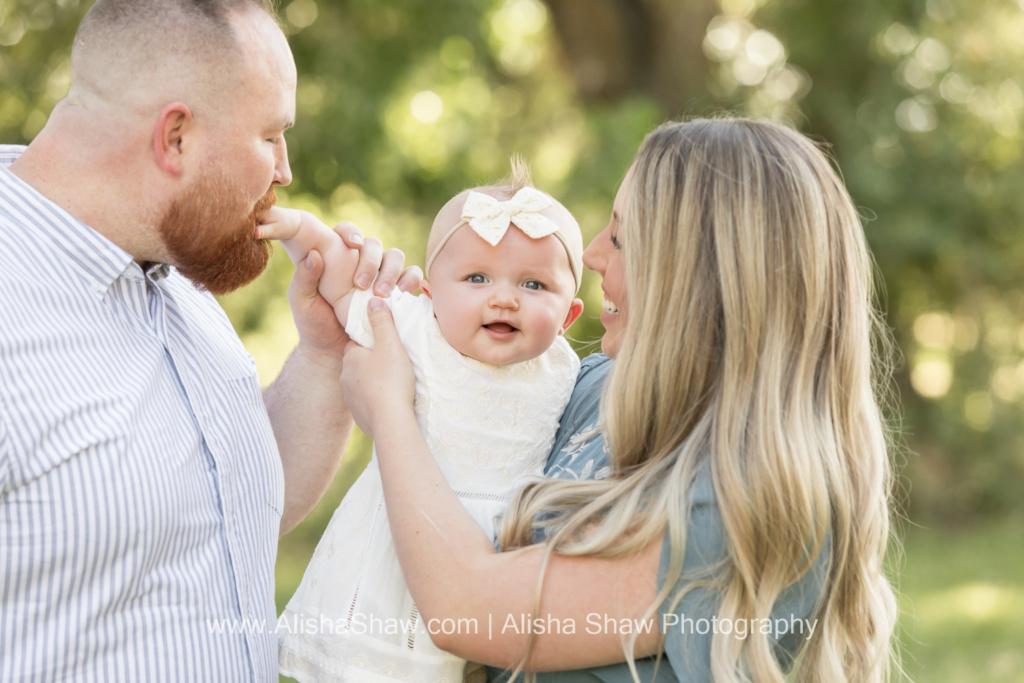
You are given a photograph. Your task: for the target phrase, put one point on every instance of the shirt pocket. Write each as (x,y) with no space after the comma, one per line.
(243,440)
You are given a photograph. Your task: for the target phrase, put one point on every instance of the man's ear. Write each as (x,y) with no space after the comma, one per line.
(575,310)
(425,286)
(168,137)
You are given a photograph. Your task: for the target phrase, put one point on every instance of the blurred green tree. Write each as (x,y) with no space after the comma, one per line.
(921,104)
(401,104)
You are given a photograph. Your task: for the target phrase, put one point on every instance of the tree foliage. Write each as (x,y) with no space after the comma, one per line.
(401,104)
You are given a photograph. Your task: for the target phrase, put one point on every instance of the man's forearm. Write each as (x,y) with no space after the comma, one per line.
(312,424)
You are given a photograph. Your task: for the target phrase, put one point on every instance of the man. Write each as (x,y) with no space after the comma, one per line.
(141,487)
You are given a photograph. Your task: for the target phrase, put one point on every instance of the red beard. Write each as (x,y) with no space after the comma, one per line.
(212,241)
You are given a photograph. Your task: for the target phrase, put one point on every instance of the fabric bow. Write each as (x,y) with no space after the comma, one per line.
(490,218)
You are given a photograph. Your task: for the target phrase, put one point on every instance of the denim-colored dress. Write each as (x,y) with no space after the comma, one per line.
(579,454)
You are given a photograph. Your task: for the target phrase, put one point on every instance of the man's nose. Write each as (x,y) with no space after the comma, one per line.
(282,170)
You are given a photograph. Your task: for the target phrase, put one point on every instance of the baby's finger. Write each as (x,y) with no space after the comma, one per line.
(271,224)
(410,279)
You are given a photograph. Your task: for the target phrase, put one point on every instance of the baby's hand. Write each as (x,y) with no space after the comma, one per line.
(301,232)
(279,224)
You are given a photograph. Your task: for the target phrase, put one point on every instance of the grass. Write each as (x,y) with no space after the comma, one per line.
(962,603)
(961,591)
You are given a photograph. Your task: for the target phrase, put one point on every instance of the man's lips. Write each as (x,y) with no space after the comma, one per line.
(264,204)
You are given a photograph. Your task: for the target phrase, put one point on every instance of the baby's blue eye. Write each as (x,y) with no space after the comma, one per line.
(476,279)
(533,284)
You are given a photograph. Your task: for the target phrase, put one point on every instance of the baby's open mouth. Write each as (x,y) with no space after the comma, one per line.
(500,327)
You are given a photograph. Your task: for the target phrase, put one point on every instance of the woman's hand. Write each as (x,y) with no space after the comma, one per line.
(378,383)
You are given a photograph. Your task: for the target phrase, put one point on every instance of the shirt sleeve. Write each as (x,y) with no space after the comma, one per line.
(403,307)
(579,415)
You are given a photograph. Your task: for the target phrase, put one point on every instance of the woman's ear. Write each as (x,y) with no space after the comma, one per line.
(425,286)
(575,310)
(172,123)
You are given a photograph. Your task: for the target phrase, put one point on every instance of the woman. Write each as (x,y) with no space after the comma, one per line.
(740,515)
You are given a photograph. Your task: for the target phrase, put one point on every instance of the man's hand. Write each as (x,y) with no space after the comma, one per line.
(320,333)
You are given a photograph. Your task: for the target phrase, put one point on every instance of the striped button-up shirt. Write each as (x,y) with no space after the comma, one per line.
(140,483)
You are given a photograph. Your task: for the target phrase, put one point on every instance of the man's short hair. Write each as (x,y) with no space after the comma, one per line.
(127,46)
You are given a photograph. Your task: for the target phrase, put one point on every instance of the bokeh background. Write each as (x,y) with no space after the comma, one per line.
(402,103)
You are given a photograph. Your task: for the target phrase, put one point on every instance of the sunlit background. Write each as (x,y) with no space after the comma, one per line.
(401,104)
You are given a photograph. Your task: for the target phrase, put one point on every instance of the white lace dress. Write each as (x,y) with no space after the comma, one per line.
(490,429)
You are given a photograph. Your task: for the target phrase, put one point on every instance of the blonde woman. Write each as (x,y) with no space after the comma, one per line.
(716,506)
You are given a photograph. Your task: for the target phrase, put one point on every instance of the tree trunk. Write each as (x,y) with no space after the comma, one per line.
(654,47)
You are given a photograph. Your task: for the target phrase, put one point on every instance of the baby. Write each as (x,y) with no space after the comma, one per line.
(493,374)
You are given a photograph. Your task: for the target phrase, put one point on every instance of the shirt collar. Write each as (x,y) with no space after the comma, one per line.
(99,260)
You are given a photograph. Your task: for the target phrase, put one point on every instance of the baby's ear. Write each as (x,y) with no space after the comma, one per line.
(575,310)
(425,286)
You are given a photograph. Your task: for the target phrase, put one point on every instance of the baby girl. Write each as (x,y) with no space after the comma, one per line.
(493,374)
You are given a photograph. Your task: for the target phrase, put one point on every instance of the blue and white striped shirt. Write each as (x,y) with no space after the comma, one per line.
(140,484)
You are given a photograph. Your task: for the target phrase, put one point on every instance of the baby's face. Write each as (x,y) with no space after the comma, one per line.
(503,304)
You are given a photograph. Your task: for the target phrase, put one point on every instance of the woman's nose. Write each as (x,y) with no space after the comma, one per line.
(594,256)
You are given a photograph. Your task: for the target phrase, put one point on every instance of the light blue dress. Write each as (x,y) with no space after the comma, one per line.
(687,650)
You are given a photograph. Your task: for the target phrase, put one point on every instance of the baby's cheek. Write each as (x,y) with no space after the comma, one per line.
(453,329)
(549,323)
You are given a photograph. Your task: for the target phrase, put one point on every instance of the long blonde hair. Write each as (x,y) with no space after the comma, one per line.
(753,348)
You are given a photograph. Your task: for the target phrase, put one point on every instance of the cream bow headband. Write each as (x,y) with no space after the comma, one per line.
(491,218)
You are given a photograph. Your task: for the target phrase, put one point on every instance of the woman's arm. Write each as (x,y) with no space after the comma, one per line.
(589,605)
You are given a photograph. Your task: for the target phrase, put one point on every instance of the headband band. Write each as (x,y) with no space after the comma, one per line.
(491,219)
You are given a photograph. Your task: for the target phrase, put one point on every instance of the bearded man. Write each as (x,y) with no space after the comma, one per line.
(144,477)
